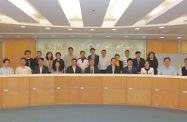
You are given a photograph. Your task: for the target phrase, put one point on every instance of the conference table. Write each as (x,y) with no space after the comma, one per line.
(118,89)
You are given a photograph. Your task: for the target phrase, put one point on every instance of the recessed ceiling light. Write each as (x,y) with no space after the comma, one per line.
(92,29)
(35,36)
(107,36)
(114,29)
(47,28)
(162,37)
(161,27)
(126,36)
(53,36)
(90,36)
(23,26)
(137,28)
(144,37)
(17,36)
(179,37)
(69,29)
(71,36)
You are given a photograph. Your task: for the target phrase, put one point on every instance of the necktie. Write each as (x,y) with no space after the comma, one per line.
(28,62)
(130,70)
(138,62)
(91,70)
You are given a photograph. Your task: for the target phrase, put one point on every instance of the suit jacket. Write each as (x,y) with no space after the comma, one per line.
(61,64)
(96,59)
(70,69)
(32,63)
(116,71)
(37,70)
(141,63)
(96,70)
(133,71)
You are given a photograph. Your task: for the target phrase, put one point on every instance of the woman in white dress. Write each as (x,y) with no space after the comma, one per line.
(147,69)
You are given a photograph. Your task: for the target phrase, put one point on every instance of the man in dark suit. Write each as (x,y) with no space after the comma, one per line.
(73,68)
(29,61)
(94,56)
(129,69)
(58,55)
(91,69)
(40,68)
(138,62)
(113,68)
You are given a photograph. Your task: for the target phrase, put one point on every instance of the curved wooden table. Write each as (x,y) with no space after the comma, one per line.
(141,90)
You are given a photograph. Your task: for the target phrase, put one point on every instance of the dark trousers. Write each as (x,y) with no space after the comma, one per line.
(103,71)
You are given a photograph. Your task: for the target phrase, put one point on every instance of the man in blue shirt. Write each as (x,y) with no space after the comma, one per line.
(6,69)
(166,69)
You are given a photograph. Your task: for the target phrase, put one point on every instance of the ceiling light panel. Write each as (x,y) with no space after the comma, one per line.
(72,11)
(114,12)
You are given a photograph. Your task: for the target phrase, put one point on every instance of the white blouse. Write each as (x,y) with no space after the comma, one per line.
(147,72)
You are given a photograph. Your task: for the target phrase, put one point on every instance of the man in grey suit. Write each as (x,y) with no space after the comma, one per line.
(130,69)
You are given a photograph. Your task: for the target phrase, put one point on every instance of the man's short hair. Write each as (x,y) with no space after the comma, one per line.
(127,51)
(91,60)
(42,59)
(137,52)
(185,59)
(39,52)
(82,52)
(27,51)
(6,59)
(70,48)
(23,58)
(113,58)
(167,58)
(129,59)
(92,49)
(117,55)
(74,59)
(58,53)
(103,50)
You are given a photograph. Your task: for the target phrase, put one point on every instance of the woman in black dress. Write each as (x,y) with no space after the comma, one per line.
(153,61)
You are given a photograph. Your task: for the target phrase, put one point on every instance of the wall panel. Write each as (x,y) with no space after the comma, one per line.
(14,49)
(162,46)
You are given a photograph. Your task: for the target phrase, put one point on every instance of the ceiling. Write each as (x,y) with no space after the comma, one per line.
(85,19)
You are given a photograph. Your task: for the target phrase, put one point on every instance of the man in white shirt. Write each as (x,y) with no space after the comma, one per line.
(82,62)
(104,62)
(183,70)
(23,69)
(124,59)
(6,69)
(166,69)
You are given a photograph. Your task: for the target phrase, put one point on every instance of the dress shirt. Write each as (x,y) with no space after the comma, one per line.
(130,69)
(104,62)
(92,70)
(180,71)
(163,70)
(93,57)
(6,70)
(41,69)
(67,60)
(23,70)
(124,60)
(74,68)
(113,69)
